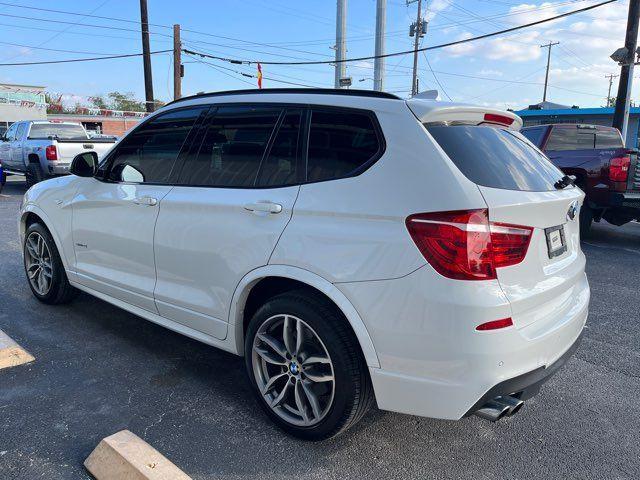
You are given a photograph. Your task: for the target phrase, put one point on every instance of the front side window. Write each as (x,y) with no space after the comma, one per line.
(20,131)
(149,153)
(10,135)
(235,141)
(340,144)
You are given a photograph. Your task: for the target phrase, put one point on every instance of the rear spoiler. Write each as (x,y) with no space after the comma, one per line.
(429,111)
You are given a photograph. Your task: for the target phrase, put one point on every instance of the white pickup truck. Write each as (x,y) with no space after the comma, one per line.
(40,149)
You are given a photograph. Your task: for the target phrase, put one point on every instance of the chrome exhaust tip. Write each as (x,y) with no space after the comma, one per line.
(514,404)
(492,411)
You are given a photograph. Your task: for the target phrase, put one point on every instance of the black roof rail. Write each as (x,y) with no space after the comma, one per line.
(309,91)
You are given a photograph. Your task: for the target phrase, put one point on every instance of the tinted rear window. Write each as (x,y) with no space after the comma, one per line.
(496,158)
(608,139)
(60,130)
(571,138)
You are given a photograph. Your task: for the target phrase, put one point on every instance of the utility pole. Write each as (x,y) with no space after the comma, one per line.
(146,57)
(341,41)
(417,33)
(611,76)
(623,100)
(378,63)
(546,77)
(177,63)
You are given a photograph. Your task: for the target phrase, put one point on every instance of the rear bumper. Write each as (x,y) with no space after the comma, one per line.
(626,200)
(58,169)
(528,384)
(433,363)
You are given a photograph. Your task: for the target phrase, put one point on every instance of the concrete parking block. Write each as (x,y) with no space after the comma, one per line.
(125,456)
(12,354)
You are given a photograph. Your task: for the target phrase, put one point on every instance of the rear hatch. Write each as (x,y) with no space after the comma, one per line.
(522,188)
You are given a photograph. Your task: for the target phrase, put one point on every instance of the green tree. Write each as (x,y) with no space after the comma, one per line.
(125,101)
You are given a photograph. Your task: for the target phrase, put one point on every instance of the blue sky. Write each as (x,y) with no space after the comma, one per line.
(504,72)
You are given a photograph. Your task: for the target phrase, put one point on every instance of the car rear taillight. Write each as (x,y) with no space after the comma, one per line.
(619,169)
(464,245)
(51,152)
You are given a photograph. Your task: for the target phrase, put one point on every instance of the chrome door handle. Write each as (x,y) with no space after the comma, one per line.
(149,201)
(265,207)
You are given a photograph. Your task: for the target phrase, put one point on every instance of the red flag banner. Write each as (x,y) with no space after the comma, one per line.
(259,76)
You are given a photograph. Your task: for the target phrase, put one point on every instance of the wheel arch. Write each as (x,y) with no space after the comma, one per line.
(30,214)
(303,278)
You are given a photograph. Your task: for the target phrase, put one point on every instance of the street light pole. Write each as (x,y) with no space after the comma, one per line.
(416,43)
(341,43)
(378,63)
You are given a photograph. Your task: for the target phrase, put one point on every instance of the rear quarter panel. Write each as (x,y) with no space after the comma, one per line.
(353,229)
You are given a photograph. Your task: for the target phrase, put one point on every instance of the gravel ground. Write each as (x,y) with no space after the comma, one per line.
(99,369)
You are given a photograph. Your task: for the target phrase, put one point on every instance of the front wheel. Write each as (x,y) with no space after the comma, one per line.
(43,267)
(305,366)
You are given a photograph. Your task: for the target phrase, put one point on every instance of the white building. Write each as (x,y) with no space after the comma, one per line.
(21,102)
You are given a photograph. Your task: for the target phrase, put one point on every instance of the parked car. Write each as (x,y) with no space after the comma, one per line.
(606,170)
(43,149)
(353,246)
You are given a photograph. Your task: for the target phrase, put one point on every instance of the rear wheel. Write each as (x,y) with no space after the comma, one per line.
(43,267)
(33,174)
(305,366)
(586,219)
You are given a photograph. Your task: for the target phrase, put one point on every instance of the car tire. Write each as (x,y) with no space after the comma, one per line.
(586,220)
(33,174)
(311,407)
(43,267)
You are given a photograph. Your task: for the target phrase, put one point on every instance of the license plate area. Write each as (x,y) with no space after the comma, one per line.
(556,241)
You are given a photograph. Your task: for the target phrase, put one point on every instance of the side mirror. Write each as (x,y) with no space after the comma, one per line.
(84,164)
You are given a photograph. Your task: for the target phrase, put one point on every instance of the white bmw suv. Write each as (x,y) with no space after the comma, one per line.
(352,246)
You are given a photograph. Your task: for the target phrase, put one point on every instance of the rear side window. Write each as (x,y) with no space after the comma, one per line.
(340,144)
(535,134)
(280,166)
(234,144)
(608,139)
(571,138)
(498,158)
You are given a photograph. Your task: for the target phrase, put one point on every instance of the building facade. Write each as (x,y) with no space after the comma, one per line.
(21,102)
(594,116)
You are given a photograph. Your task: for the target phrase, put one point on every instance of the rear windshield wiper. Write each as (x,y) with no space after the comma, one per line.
(565,182)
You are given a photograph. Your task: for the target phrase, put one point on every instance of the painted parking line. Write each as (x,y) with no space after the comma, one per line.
(125,455)
(12,354)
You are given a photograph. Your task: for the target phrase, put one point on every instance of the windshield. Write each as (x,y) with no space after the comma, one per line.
(63,131)
(498,158)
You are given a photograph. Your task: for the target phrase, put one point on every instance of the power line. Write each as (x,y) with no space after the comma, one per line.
(74,60)
(36,47)
(435,77)
(406,52)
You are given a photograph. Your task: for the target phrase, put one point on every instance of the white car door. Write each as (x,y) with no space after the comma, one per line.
(234,197)
(114,214)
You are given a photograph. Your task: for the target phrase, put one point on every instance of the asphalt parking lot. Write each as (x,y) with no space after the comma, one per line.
(98,370)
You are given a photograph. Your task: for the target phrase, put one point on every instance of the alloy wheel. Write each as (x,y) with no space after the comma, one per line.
(38,263)
(293,370)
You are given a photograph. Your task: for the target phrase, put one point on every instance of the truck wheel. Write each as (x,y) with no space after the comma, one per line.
(586,219)
(33,174)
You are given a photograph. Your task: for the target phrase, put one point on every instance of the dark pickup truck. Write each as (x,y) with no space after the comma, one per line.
(605,170)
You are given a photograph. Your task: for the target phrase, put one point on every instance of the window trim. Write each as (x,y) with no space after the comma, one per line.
(107,162)
(196,136)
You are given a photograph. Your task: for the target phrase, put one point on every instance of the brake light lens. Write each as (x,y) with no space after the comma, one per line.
(500,119)
(464,245)
(619,169)
(495,324)
(51,152)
